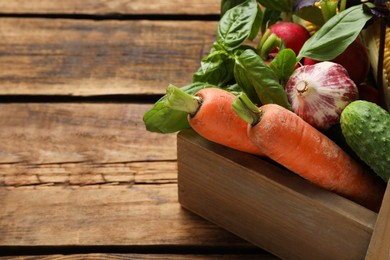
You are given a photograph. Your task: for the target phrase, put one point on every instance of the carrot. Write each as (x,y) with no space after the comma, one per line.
(290,141)
(211,115)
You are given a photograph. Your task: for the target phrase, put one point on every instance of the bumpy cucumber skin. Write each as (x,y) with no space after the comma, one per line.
(366,128)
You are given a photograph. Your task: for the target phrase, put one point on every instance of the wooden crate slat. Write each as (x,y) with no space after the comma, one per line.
(109,7)
(91,133)
(86,57)
(267,205)
(379,247)
(174,256)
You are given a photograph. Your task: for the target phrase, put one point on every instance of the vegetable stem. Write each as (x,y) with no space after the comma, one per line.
(177,99)
(272,42)
(265,36)
(343,5)
(328,9)
(246,109)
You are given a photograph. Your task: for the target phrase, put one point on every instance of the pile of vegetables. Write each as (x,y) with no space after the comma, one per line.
(290,81)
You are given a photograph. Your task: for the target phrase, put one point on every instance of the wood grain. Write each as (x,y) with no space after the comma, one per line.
(267,205)
(83,175)
(139,215)
(89,133)
(380,242)
(109,7)
(87,57)
(184,256)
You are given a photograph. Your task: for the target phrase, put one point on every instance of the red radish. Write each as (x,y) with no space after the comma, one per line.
(288,140)
(354,59)
(294,35)
(211,115)
(318,93)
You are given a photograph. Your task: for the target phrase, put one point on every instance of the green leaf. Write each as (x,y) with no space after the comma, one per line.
(335,35)
(278,5)
(162,119)
(238,24)
(312,14)
(284,64)
(256,25)
(254,76)
(229,4)
(216,68)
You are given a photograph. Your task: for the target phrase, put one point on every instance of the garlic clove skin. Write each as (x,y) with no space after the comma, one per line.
(318,93)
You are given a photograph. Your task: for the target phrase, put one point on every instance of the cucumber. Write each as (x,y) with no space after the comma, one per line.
(366,128)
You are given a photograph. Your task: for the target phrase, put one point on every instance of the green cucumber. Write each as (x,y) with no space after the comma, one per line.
(366,128)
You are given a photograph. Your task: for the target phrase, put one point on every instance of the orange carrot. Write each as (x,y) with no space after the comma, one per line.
(211,116)
(290,141)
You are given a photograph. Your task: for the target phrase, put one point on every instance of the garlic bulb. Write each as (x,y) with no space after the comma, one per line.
(318,93)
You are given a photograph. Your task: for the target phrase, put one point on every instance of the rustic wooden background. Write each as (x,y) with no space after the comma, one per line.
(80,177)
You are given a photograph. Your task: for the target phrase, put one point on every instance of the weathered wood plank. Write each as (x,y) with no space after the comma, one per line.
(243,255)
(89,133)
(108,7)
(140,215)
(379,247)
(121,175)
(86,57)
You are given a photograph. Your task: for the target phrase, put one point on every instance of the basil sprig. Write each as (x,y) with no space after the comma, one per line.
(254,76)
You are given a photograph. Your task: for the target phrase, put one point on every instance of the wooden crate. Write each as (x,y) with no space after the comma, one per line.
(271,207)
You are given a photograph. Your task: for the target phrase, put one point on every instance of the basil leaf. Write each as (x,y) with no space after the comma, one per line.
(236,25)
(162,119)
(278,5)
(257,23)
(253,75)
(229,4)
(242,79)
(335,35)
(311,14)
(284,64)
(216,68)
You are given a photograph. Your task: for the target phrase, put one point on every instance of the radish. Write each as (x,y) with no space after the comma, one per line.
(318,93)
(294,35)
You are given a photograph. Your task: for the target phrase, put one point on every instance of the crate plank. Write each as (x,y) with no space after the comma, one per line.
(120,175)
(379,247)
(89,133)
(88,57)
(267,205)
(140,215)
(109,7)
(183,256)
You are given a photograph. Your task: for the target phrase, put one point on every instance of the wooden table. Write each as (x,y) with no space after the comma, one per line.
(80,177)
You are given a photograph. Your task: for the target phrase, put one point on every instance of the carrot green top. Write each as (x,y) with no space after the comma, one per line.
(246,109)
(177,99)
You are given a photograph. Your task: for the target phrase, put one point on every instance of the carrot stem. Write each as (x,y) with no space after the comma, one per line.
(246,109)
(177,99)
